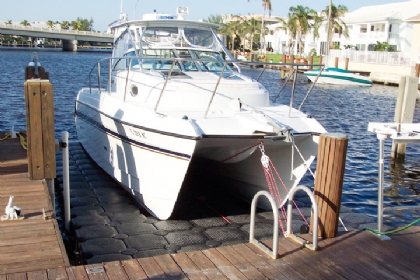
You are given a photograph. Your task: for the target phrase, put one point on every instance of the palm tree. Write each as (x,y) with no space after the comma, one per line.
(266,6)
(65,24)
(335,22)
(290,26)
(214,19)
(254,28)
(9,22)
(75,25)
(50,24)
(233,29)
(302,16)
(25,23)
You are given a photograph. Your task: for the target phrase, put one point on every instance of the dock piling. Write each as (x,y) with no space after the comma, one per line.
(39,102)
(404,109)
(332,150)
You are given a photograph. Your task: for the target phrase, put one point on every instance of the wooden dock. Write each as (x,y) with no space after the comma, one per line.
(352,255)
(33,243)
(33,248)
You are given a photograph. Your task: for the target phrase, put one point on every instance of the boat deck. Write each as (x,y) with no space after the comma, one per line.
(32,243)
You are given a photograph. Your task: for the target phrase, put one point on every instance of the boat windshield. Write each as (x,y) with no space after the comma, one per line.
(177,37)
(157,47)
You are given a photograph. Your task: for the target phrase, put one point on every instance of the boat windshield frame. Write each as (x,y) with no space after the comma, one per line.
(181,39)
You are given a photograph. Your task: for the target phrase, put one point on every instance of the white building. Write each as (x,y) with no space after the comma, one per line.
(394,23)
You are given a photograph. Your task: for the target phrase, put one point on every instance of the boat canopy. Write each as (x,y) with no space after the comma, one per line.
(148,42)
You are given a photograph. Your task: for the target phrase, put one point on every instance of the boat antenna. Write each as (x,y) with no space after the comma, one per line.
(121,9)
(135,8)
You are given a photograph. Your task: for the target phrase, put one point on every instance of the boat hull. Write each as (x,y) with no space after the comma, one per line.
(246,177)
(338,78)
(149,164)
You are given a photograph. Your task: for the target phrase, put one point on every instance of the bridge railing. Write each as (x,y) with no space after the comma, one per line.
(54,30)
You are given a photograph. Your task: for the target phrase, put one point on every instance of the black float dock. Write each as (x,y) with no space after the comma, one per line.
(107,224)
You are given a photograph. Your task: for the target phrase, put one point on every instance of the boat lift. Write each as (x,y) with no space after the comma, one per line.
(399,133)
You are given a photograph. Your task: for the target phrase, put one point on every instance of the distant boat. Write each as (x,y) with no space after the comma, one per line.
(337,76)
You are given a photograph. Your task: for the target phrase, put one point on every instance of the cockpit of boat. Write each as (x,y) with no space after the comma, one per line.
(170,45)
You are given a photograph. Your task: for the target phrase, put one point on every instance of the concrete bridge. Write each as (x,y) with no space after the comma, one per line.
(68,37)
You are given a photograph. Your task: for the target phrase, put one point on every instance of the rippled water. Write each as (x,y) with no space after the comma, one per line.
(339,109)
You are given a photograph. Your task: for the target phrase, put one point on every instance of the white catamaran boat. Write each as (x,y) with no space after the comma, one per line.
(171,94)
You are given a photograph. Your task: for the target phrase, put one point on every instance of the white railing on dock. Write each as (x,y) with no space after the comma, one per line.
(374,57)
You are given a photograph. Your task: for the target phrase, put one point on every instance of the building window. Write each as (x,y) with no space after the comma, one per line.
(363,29)
(390,28)
(372,28)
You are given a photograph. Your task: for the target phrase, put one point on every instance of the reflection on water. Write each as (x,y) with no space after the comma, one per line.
(339,109)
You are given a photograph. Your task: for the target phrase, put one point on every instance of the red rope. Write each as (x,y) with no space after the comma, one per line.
(284,185)
(272,186)
(202,199)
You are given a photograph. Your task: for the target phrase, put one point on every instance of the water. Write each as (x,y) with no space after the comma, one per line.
(338,109)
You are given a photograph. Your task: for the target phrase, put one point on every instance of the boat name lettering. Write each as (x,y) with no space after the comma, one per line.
(138,133)
(164,17)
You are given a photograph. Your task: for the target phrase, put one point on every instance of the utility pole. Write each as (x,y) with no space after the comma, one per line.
(327,47)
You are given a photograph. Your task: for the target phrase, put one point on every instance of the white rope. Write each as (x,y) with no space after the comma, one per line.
(304,162)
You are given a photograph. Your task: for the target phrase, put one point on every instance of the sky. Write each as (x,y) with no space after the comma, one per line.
(104,12)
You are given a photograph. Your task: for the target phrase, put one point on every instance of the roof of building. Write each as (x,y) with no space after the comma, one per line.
(393,11)
(415,18)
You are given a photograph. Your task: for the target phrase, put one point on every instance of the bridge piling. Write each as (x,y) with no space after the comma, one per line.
(69,45)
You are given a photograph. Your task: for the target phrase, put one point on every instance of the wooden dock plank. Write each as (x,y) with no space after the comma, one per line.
(59,273)
(359,261)
(37,275)
(170,267)
(114,270)
(188,266)
(284,267)
(32,244)
(152,268)
(76,272)
(205,265)
(223,264)
(133,270)
(258,262)
(96,275)
(17,276)
(240,263)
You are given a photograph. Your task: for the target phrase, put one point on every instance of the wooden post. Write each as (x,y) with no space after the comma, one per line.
(283,68)
(39,101)
(332,150)
(336,62)
(346,64)
(404,109)
(417,70)
(311,61)
(320,59)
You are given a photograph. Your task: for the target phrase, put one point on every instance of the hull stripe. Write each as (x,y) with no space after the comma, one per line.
(344,78)
(124,138)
